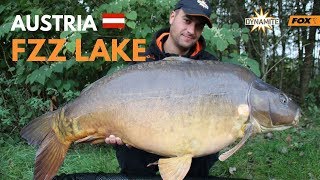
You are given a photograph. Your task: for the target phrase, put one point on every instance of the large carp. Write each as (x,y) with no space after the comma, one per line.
(178,108)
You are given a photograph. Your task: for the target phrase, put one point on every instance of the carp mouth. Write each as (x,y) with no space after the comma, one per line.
(274,128)
(281,127)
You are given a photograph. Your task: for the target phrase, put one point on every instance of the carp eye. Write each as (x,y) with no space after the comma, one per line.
(283,98)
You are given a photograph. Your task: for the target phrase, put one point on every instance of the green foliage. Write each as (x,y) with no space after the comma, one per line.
(312,119)
(313,96)
(17,106)
(245,61)
(221,38)
(5,29)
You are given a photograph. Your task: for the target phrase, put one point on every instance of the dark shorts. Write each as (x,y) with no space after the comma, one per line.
(133,162)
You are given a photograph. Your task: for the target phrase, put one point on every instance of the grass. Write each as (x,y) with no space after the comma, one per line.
(289,154)
(17,158)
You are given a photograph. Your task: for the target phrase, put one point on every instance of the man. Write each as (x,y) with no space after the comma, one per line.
(183,38)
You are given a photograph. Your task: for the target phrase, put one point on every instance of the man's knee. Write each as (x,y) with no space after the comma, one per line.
(133,162)
(200,167)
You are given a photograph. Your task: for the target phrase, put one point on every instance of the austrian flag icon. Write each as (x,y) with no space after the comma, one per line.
(113,21)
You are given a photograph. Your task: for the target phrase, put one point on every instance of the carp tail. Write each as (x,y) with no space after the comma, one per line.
(51,151)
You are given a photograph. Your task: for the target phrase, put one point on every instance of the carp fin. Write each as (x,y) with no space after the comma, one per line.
(175,168)
(247,134)
(97,141)
(92,139)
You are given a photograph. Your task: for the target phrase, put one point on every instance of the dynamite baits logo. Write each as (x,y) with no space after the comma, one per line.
(261,21)
(72,23)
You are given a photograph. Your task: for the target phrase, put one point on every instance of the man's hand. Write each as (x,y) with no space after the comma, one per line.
(113,140)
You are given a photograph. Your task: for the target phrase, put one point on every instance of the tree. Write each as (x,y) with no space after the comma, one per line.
(308,61)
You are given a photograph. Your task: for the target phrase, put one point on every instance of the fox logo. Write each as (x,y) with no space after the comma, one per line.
(304,21)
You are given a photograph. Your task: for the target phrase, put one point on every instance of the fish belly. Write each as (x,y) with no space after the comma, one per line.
(173,127)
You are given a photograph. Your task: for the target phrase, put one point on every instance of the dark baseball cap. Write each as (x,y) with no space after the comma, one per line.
(196,8)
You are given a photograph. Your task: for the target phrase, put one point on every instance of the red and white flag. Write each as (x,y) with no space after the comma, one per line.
(111,20)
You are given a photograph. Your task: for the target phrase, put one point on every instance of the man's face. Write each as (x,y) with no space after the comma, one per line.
(185,30)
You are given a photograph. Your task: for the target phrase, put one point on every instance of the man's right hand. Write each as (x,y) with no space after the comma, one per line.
(113,140)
